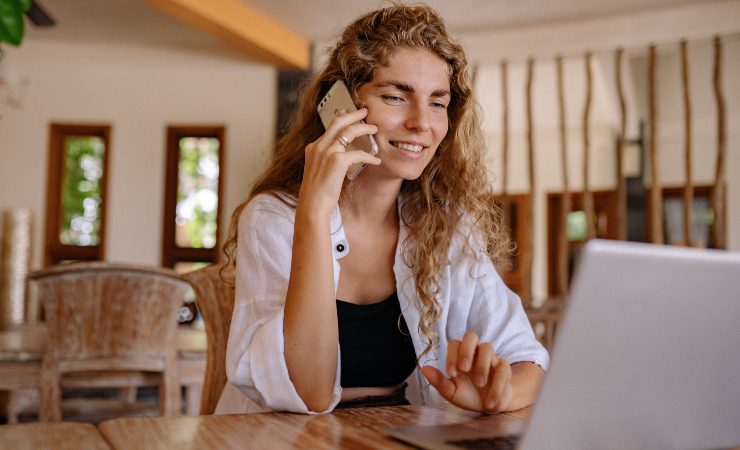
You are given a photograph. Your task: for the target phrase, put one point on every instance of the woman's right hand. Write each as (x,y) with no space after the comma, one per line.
(327,162)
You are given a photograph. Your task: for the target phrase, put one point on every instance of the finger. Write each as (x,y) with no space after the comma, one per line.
(346,159)
(500,379)
(452,349)
(348,133)
(504,400)
(442,384)
(484,359)
(342,120)
(355,130)
(466,354)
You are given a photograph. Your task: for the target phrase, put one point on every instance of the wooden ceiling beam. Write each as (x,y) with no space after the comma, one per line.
(251,32)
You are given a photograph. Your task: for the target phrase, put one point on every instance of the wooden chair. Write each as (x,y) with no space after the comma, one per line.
(544,320)
(215,300)
(109,325)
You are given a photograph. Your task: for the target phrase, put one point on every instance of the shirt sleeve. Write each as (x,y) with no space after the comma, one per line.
(255,359)
(498,316)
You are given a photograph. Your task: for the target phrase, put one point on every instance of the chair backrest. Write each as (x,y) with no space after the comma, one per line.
(107,318)
(215,300)
(103,310)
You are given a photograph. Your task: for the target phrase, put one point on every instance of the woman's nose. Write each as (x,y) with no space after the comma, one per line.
(418,118)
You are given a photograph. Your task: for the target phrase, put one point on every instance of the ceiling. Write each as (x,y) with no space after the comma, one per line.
(134,21)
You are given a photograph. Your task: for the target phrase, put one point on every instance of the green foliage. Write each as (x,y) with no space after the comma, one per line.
(81,196)
(197,179)
(11,20)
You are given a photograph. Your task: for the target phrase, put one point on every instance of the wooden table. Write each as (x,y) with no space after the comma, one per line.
(61,436)
(23,347)
(360,428)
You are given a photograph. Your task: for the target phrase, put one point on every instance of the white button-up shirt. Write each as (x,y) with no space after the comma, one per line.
(472,297)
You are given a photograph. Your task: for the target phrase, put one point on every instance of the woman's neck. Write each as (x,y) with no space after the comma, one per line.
(371,203)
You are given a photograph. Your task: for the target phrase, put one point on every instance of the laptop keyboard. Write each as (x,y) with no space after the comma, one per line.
(492,443)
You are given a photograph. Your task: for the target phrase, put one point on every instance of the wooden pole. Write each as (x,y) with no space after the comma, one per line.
(505,128)
(656,196)
(565,204)
(473,76)
(688,192)
(588,201)
(718,190)
(621,217)
(532,184)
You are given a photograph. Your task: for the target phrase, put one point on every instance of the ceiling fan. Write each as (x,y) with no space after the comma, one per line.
(39,16)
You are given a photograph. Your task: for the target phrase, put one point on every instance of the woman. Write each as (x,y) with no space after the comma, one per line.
(345,288)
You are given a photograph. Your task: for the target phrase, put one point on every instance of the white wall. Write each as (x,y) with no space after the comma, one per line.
(697,23)
(139,91)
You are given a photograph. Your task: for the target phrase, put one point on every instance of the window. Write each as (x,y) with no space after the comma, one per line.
(193,180)
(75,196)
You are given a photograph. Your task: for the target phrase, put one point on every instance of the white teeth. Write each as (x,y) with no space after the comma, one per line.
(409,147)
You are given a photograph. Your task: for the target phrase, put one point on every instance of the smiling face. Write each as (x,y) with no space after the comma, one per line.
(407,100)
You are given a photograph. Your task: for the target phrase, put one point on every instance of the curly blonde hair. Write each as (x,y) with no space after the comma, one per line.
(453,186)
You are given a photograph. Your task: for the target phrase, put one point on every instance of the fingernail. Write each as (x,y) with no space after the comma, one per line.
(479,380)
(465,364)
(452,372)
(490,403)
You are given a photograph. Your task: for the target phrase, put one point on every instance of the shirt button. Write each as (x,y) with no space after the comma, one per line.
(340,248)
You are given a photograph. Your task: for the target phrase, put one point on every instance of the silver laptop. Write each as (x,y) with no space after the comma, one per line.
(647,356)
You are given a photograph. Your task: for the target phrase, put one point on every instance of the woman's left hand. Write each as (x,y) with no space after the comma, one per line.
(478,379)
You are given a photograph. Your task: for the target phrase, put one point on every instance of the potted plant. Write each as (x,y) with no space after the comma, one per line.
(11,20)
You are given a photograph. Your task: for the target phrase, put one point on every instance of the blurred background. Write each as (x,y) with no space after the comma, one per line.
(130,129)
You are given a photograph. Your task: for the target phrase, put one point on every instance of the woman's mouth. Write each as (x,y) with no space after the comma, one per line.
(415,148)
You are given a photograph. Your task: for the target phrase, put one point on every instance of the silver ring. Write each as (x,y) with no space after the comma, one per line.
(343,140)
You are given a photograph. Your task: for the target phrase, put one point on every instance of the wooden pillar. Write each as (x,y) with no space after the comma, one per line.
(588,200)
(473,76)
(505,128)
(655,217)
(621,217)
(688,192)
(565,204)
(532,183)
(718,189)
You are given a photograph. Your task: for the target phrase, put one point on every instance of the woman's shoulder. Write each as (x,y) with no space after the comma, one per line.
(468,238)
(269,204)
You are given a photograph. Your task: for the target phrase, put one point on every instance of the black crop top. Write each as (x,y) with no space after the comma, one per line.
(374,352)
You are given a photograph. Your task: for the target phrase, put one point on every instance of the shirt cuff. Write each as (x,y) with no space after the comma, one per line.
(270,371)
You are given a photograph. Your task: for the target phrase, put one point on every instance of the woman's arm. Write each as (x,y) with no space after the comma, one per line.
(526,378)
(311,332)
(498,364)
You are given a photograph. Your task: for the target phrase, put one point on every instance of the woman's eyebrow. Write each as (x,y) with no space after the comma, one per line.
(405,87)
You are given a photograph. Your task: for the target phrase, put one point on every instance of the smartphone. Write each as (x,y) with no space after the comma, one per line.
(336,100)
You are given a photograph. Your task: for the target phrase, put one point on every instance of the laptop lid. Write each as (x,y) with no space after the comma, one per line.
(647,354)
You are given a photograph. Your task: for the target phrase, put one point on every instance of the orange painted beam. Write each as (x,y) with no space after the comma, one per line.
(251,32)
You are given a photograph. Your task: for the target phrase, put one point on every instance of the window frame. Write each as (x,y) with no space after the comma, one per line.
(171,252)
(54,251)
